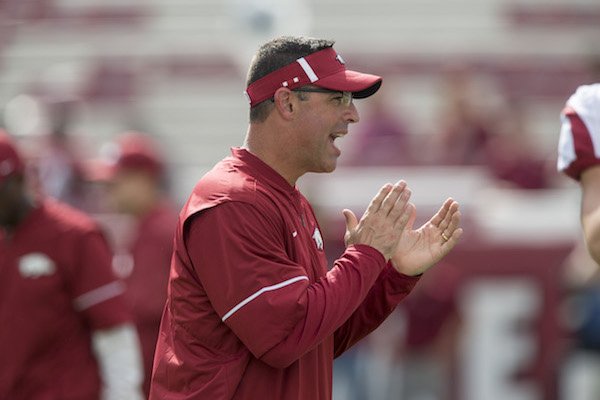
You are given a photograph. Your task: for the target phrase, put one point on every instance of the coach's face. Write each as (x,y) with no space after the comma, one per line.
(324,117)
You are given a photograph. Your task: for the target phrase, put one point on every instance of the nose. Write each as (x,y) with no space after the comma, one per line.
(351,115)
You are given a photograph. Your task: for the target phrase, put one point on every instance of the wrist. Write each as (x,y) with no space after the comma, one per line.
(408,271)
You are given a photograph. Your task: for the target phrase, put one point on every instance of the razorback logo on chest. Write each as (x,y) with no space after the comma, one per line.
(318,238)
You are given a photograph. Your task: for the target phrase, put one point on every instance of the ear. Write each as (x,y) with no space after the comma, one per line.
(285,103)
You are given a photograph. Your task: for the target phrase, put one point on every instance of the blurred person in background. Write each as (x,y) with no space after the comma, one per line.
(252,310)
(382,138)
(54,152)
(579,158)
(464,124)
(136,188)
(66,331)
(59,163)
(512,156)
(579,374)
(414,353)
(429,352)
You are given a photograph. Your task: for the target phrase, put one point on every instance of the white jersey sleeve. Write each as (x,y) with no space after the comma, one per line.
(579,143)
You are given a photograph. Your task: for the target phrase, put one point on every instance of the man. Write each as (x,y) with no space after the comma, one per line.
(135,188)
(252,310)
(65,332)
(579,157)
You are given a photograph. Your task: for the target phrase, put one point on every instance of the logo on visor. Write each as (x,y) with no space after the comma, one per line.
(318,239)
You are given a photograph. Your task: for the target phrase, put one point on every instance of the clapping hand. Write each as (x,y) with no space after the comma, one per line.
(383,223)
(419,249)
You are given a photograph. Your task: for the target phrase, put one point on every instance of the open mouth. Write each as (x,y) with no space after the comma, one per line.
(334,136)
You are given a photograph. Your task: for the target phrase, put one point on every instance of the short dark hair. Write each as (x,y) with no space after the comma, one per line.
(276,54)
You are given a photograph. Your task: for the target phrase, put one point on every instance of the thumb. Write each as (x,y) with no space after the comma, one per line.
(351,223)
(351,220)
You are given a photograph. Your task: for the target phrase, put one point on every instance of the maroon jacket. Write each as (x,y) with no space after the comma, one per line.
(252,311)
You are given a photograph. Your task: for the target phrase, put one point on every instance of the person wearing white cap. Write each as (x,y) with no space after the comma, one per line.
(253,310)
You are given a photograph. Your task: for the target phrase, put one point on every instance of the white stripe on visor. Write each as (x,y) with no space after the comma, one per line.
(308,70)
(99,295)
(261,291)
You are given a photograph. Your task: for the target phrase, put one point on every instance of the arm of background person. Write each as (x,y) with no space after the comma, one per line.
(98,297)
(590,210)
(117,350)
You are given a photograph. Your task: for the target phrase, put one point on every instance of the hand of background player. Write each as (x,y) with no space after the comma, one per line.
(420,249)
(381,226)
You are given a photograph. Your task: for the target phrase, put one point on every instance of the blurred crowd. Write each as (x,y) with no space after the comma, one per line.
(476,124)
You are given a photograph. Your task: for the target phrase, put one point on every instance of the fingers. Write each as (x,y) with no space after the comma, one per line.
(375,203)
(442,213)
(396,198)
(449,226)
(411,215)
(386,198)
(378,227)
(452,240)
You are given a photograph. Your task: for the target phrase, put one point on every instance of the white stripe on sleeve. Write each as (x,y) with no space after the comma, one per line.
(566,145)
(99,295)
(261,291)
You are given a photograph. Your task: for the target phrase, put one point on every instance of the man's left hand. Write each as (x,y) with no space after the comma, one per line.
(419,249)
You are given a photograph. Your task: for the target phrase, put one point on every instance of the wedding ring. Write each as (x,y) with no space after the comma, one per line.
(446,238)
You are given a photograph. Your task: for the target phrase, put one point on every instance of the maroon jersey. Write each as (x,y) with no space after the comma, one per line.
(56,288)
(252,311)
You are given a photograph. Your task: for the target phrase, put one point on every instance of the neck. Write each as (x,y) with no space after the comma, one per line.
(271,148)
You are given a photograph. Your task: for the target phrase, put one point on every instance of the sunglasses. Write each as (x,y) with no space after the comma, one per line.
(346,99)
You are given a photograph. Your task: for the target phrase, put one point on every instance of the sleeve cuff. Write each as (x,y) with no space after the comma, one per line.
(399,282)
(370,252)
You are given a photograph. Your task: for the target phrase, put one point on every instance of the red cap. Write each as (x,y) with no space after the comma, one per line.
(138,151)
(135,152)
(324,68)
(10,161)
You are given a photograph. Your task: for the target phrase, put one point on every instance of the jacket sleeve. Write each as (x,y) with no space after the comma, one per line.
(387,292)
(96,292)
(266,299)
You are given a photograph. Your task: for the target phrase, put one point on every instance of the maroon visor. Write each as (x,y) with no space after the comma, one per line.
(324,68)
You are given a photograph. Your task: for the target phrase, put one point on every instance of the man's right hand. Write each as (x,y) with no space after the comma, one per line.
(382,224)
